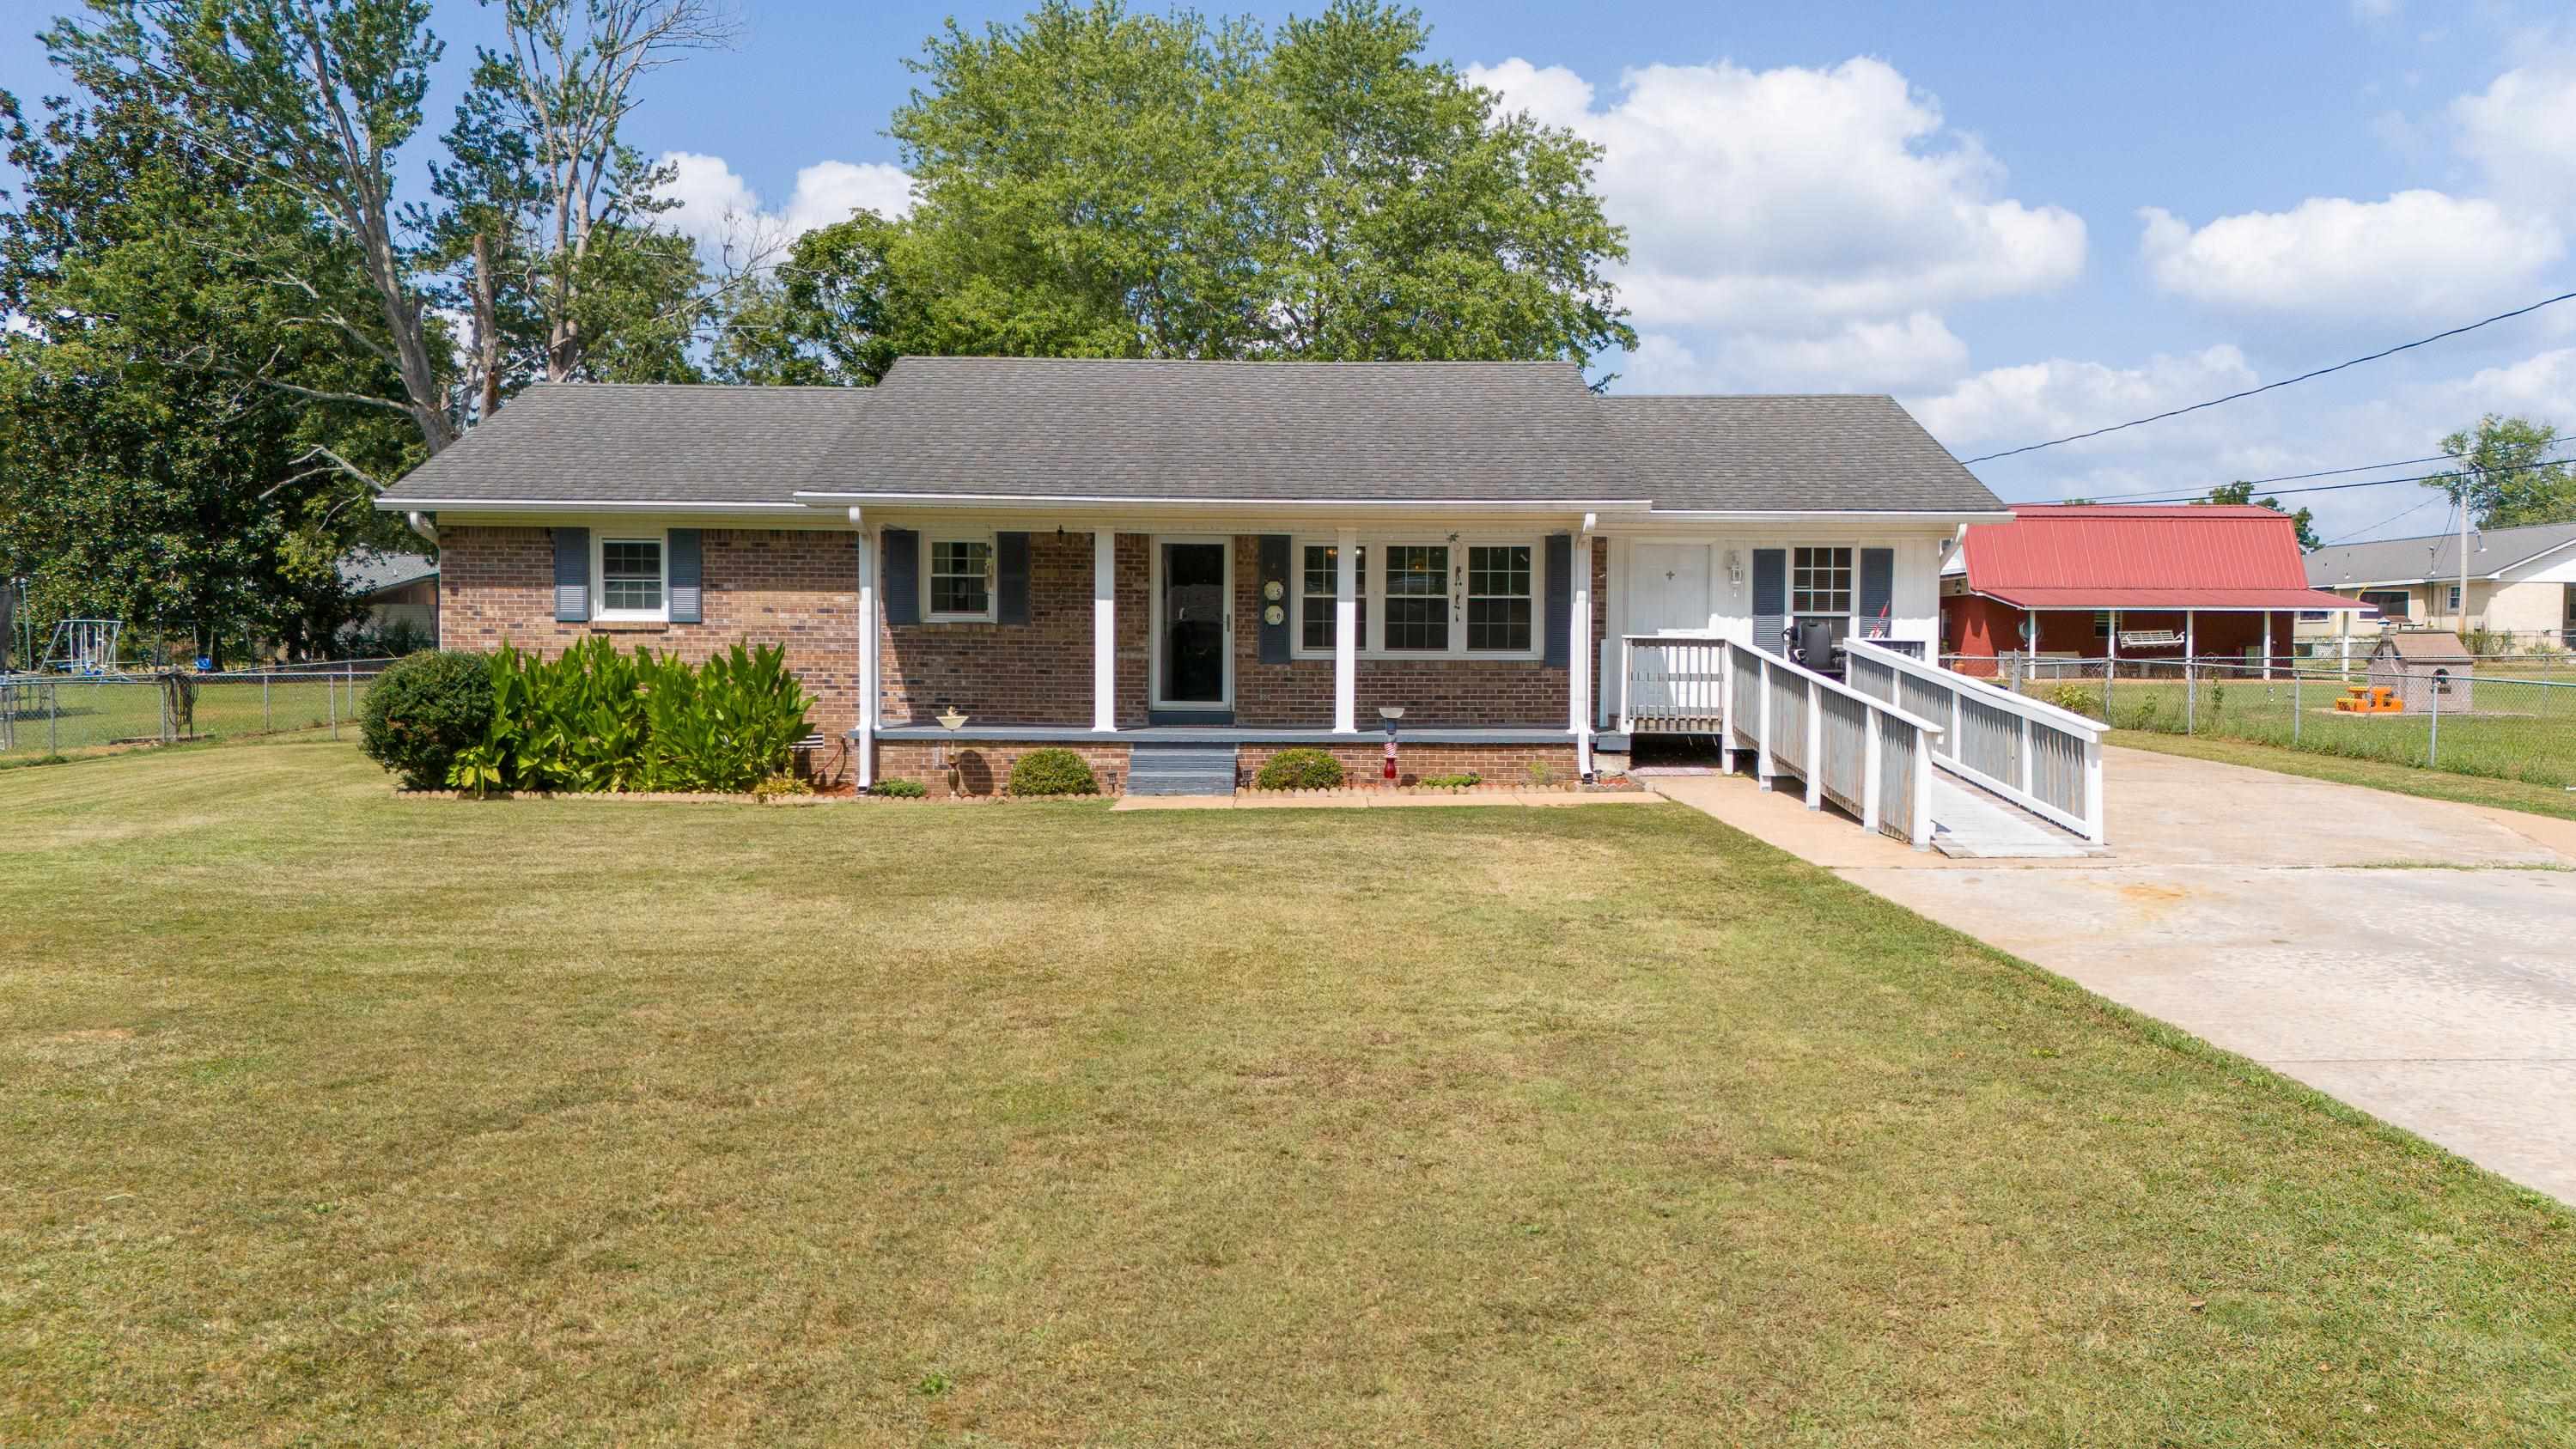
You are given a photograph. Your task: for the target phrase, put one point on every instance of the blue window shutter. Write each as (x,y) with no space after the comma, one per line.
(1770,598)
(1274,569)
(1560,600)
(687,602)
(572,575)
(1010,578)
(1877,589)
(902,576)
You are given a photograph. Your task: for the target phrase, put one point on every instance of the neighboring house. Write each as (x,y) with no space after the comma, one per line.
(396,588)
(2094,581)
(2522,582)
(1179,568)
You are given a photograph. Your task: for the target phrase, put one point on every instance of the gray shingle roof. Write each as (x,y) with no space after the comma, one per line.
(639,443)
(1228,430)
(2433,556)
(1251,431)
(368,572)
(1790,451)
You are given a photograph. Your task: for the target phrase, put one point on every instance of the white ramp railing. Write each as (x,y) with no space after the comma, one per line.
(1868,755)
(2045,759)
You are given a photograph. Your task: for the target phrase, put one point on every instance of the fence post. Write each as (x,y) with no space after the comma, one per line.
(266,724)
(331,706)
(2110,672)
(1870,782)
(1815,747)
(2298,704)
(165,711)
(2190,695)
(2433,741)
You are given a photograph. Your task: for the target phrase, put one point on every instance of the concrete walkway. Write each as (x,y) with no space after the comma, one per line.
(2412,957)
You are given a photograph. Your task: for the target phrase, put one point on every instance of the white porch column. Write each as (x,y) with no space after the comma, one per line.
(1346,629)
(1104,630)
(868,696)
(1579,656)
(2267,644)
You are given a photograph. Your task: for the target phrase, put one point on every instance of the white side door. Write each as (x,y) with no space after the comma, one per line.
(1668,594)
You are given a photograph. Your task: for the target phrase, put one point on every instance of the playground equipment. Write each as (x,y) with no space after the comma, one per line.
(85,647)
(2370,699)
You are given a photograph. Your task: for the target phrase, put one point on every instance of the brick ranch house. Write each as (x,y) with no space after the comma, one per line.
(1180,568)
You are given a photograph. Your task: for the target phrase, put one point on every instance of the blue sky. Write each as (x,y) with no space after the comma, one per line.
(2023,219)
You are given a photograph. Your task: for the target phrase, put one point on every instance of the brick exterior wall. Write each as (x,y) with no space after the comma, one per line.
(795,588)
(1363,764)
(1033,673)
(984,768)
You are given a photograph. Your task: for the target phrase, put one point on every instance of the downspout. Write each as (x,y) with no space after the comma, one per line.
(419,523)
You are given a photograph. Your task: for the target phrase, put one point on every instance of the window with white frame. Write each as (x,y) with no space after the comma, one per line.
(1319,588)
(1416,589)
(960,579)
(1820,581)
(631,579)
(1456,597)
(1499,613)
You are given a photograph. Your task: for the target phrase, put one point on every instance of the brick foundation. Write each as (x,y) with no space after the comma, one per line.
(1362,764)
(794,588)
(983,768)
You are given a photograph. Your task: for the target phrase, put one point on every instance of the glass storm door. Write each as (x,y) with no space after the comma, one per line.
(1197,618)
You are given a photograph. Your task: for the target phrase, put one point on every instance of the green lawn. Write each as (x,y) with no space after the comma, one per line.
(336,1118)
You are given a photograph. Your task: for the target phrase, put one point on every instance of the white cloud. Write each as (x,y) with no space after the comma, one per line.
(1912,351)
(720,210)
(2008,406)
(1797,199)
(2423,255)
(2517,130)
(2373,10)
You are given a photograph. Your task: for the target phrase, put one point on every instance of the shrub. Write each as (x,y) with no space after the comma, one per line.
(2077,699)
(1303,768)
(1467,781)
(1052,772)
(777,786)
(899,789)
(596,719)
(422,711)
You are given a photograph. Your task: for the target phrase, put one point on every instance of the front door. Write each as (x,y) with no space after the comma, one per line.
(1669,592)
(1196,623)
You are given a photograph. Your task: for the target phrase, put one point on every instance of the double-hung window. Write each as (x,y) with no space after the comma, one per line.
(1820,582)
(632,578)
(960,579)
(1319,587)
(1498,598)
(1417,598)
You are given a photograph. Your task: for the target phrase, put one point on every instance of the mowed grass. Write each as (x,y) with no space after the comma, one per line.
(333,1118)
(2523,729)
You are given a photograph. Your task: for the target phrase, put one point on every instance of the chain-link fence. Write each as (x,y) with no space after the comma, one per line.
(2493,718)
(49,714)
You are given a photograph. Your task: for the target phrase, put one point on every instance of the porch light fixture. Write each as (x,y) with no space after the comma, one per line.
(1734,569)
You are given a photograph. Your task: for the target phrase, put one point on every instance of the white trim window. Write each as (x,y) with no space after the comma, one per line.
(1820,581)
(634,577)
(957,579)
(1455,598)
(1502,605)
(1416,593)
(1319,591)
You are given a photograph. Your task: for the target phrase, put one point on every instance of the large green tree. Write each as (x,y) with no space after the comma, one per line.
(1096,183)
(2507,474)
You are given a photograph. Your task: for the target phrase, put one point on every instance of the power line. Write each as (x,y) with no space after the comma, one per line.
(2285,382)
(2383,523)
(2124,500)
(2278,478)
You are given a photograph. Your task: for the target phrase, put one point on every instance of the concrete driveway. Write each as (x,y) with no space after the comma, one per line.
(2415,958)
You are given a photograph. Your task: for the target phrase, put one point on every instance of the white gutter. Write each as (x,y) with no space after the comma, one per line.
(581,505)
(819,498)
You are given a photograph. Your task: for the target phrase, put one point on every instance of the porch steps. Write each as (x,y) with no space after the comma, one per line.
(1180,769)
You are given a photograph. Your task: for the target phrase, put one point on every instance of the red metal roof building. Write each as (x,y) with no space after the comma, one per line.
(2087,580)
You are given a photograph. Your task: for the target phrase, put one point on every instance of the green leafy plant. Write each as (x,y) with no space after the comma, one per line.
(1467,780)
(1541,774)
(1052,772)
(1303,768)
(422,711)
(2076,698)
(778,787)
(899,789)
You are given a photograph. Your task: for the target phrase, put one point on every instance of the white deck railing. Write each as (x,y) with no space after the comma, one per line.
(1868,755)
(2045,759)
